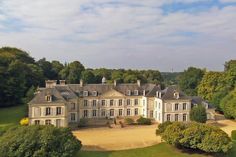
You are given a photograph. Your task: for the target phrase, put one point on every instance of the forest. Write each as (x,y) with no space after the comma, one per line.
(21,74)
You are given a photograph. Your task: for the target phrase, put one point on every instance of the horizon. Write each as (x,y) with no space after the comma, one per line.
(159,35)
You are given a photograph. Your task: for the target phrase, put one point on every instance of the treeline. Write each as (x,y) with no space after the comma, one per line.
(219,88)
(20,75)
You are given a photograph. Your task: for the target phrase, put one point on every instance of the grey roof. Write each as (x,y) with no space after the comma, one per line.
(198,100)
(168,94)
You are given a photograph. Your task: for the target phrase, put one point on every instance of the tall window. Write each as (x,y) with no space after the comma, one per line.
(49,98)
(168,117)
(72,106)
(184,106)
(94,103)
(176,106)
(111,112)
(48,111)
(120,102)
(184,117)
(135,101)
(136,111)
(85,102)
(143,102)
(94,113)
(128,112)
(85,113)
(176,117)
(128,101)
(103,113)
(47,122)
(85,93)
(72,117)
(58,112)
(37,122)
(159,106)
(120,112)
(111,102)
(103,102)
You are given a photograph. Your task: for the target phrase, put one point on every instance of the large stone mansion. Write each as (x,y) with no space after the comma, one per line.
(65,104)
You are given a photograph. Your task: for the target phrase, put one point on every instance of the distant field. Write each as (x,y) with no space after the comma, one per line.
(11,116)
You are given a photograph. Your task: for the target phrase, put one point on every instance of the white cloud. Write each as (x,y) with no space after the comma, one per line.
(228,1)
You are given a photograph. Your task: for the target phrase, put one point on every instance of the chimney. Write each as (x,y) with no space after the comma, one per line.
(115,83)
(63,82)
(139,83)
(144,93)
(81,83)
(50,83)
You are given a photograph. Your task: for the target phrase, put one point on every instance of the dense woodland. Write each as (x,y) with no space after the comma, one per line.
(21,74)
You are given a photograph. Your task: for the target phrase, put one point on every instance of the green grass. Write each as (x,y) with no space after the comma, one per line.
(160,150)
(11,116)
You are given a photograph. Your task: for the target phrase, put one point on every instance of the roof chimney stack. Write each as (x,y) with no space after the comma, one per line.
(139,83)
(50,83)
(115,83)
(63,82)
(81,83)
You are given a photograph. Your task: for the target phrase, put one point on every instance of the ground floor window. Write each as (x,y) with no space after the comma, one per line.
(37,122)
(103,113)
(136,111)
(176,117)
(94,113)
(120,112)
(128,112)
(85,113)
(48,122)
(168,117)
(112,112)
(184,117)
(72,117)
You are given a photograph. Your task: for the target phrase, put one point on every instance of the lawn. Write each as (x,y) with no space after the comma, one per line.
(159,150)
(11,116)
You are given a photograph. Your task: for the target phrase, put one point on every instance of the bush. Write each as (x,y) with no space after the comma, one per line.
(233,135)
(198,114)
(83,122)
(144,121)
(129,121)
(37,141)
(197,136)
(24,121)
(162,127)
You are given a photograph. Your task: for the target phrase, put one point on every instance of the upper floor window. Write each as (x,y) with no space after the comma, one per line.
(120,102)
(103,102)
(103,113)
(94,103)
(128,101)
(128,112)
(111,112)
(85,93)
(120,112)
(48,111)
(128,92)
(184,106)
(58,111)
(176,106)
(135,92)
(111,102)
(85,102)
(159,106)
(135,101)
(95,93)
(85,113)
(94,113)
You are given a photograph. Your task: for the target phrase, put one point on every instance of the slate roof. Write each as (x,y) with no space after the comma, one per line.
(168,94)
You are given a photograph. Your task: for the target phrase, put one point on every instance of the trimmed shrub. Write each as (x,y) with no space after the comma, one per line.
(144,121)
(37,141)
(233,135)
(198,114)
(24,121)
(162,127)
(129,121)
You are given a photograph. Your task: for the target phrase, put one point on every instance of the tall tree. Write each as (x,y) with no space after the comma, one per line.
(228,105)
(88,76)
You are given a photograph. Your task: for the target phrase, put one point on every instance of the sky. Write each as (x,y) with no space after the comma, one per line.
(131,34)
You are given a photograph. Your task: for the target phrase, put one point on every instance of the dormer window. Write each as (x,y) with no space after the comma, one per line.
(129,92)
(95,93)
(136,92)
(176,95)
(48,98)
(85,93)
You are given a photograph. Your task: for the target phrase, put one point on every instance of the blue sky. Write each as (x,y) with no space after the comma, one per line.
(137,34)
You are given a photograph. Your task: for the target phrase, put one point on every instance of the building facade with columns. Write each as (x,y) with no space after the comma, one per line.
(65,105)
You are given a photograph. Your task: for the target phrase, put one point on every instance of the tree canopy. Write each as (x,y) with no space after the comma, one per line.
(198,114)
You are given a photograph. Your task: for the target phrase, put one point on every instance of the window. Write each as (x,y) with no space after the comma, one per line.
(120,112)
(49,98)
(120,102)
(72,117)
(128,92)
(95,93)
(58,123)
(94,113)
(168,117)
(37,122)
(112,112)
(85,113)
(135,92)
(176,117)
(184,106)
(128,112)
(72,106)
(58,110)
(135,101)
(85,93)
(128,101)
(103,113)
(48,111)
(94,103)
(103,102)
(111,102)
(143,102)
(176,106)
(47,122)
(184,117)
(151,114)
(136,111)
(85,102)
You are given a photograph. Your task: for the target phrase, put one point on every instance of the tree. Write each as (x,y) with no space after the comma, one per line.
(198,114)
(56,68)
(37,141)
(88,76)
(228,105)
(190,79)
(46,66)
(117,75)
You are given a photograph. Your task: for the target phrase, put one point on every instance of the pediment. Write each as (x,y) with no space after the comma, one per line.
(112,93)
